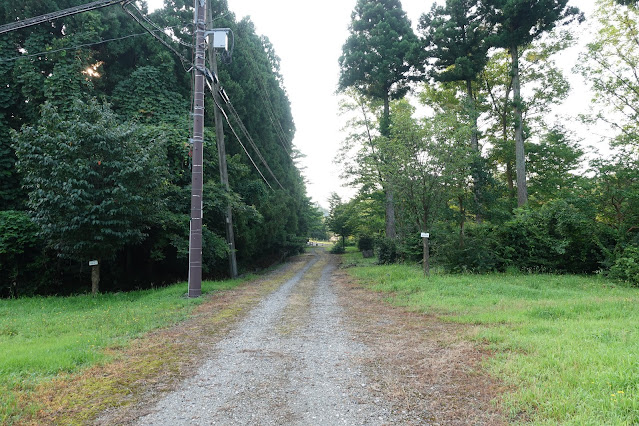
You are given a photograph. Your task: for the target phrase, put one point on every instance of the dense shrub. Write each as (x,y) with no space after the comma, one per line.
(626,266)
(387,251)
(338,248)
(477,251)
(20,252)
(365,242)
(560,236)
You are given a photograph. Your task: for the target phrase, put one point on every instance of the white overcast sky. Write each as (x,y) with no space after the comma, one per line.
(308,38)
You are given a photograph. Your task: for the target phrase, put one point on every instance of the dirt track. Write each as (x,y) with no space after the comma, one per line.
(304,345)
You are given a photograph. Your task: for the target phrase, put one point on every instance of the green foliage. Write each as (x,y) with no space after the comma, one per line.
(560,236)
(455,37)
(317,228)
(520,22)
(477,250)
(626,266)
(147,96)
(365,242)
(376,56)
(387,251)
(551,165)
(20,251)
(338,248)
(144,228)
(92,184)
(609,65)
(342,218)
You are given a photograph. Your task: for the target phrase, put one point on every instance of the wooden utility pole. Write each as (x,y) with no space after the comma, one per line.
(195,237)
(221,150)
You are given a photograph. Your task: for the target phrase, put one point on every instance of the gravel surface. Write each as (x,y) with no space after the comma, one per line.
(291,361)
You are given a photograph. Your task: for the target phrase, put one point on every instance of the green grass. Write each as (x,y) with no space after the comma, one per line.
(42,337)
(567,346)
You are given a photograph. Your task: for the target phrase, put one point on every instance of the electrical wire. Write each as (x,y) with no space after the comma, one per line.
(158,28)
(185,62)
(24,23)
(277,126)
(251,141)
(79,46)
(240,141)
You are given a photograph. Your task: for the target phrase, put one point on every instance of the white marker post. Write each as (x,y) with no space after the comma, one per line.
(425,237)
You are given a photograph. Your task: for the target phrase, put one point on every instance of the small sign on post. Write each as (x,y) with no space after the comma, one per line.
(425,235)
(93,263)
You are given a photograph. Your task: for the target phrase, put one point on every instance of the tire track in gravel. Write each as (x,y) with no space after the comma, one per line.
(290,361)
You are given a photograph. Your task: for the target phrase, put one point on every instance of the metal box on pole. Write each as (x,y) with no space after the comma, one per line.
(220,40)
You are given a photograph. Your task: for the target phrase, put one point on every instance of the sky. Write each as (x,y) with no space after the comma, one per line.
(308,38)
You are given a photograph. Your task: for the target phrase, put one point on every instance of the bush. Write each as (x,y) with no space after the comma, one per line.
(387,251)
(338,248)
(20,252)
(477,252)
(561,236)
(626,266)
(365,242)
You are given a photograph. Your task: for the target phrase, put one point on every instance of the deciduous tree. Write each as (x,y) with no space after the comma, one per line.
(91,183)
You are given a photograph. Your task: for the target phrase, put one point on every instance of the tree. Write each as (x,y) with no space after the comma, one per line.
(91,183)
(341,218)
(455,38)
(552,162)
(429,155)
(610,65)
(376,60)
(518,23)
(547,86)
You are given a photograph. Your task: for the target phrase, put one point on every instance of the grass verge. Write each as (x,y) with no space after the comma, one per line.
(566,345)
(44,338)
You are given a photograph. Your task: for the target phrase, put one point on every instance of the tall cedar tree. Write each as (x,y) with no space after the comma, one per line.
(518,23)
(377,60)
(455,40)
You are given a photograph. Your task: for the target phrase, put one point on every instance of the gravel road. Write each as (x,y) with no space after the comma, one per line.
(290,361)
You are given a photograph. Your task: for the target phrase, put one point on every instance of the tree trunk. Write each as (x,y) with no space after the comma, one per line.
(474,144)
(520,156)
(509,179)
(391,231)
(462,221)
(95,278)
(384,125)
(426,257)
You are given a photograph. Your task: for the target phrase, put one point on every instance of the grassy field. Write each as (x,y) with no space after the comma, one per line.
(42,337)
(567,346)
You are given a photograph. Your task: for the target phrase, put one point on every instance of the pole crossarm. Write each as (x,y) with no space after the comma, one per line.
(59,14)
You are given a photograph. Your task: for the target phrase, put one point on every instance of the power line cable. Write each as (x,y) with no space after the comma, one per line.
(226,117)
(185,61)
(264,94)
(78,46)
(158,28)
(59,14)
(251,141)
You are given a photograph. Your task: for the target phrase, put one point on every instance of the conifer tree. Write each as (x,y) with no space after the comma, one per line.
(377,60)
(518,23)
